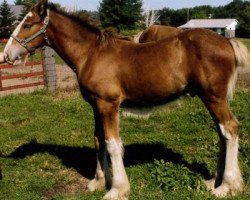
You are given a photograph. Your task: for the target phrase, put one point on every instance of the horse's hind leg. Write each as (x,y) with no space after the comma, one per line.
(228,179)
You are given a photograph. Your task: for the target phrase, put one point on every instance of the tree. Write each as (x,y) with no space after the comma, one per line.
(6,19)
(166,16)
(27,6)
(121,14)
(19,2)
(237,9)
(201,12)
(6,15)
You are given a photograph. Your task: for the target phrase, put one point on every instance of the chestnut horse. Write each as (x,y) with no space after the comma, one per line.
(114,72)
(155,33)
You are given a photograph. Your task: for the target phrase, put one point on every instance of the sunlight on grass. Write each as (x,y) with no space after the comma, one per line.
(47,151)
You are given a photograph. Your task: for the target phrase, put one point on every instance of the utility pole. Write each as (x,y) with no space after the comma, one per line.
(188,14)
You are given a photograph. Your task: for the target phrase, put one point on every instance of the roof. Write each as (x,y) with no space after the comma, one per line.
(209,23)
(16,9)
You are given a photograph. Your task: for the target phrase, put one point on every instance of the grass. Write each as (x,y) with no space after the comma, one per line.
(246,41)
(47,152)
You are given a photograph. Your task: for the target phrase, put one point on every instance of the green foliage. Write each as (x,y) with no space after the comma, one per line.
(19,2)
(171,177)
(120,14)
(166,16)
(201,12)
(238,9)
(28,4)
(6,20)
(7,17)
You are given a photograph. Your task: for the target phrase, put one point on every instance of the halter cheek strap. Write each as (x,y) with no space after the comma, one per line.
(24,42)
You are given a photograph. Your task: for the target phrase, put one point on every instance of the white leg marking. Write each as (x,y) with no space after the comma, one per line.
(99,181)
(226,134)
(120,184)
(232,181)
(13,51)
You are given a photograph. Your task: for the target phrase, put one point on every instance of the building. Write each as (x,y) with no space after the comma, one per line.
(224,27)
(17,10)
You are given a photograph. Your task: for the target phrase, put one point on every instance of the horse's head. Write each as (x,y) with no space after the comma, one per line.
(29,34)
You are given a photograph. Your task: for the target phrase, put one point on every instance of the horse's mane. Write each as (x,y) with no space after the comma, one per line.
(110,33)
(105,35)
(75,18)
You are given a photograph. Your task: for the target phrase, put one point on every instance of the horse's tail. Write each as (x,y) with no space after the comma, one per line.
(242,59)
(242,54)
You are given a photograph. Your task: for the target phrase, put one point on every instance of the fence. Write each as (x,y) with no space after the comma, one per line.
(34,75)
(12,79)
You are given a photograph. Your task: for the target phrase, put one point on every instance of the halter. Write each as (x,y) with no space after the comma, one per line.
(24,42)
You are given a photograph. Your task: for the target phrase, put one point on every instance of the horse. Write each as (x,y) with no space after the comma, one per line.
(113,72)
(156,32)
(152,33)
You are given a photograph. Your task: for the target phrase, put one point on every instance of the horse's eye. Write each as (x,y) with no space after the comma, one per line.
(27,26)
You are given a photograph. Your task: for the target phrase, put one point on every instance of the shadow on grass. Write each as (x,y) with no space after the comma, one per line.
(83,160)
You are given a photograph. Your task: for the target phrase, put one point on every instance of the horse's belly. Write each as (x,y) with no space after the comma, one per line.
(154,95)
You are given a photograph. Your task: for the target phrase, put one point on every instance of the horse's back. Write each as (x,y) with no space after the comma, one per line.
(158,32)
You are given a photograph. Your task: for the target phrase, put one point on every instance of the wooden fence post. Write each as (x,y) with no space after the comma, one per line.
(50,69)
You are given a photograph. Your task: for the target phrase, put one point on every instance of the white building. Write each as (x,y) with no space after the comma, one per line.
(225,27)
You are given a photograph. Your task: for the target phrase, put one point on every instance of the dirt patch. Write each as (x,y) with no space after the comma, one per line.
(66,78)
(78,186)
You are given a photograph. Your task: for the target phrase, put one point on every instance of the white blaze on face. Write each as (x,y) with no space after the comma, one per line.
(13,51)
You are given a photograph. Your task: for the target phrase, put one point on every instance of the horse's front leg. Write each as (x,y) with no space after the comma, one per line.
(109,112)
(102,175)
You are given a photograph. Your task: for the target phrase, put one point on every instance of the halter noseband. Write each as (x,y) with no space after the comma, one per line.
(24,42)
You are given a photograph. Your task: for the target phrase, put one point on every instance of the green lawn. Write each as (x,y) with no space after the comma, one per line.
(246,42)
(46,149)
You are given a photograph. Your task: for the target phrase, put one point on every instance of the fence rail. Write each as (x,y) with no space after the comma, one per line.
(20,76)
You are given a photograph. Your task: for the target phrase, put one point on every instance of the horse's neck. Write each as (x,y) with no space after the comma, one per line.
(70,40)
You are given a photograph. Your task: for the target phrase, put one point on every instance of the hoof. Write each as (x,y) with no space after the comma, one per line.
(94,185)
(228,189)
(210,184)
(115,194)
(221,191)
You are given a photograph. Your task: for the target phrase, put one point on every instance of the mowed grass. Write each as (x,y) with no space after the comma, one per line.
(47,151)
(246,41)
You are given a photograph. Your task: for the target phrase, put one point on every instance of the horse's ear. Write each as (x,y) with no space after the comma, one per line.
(42,8)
